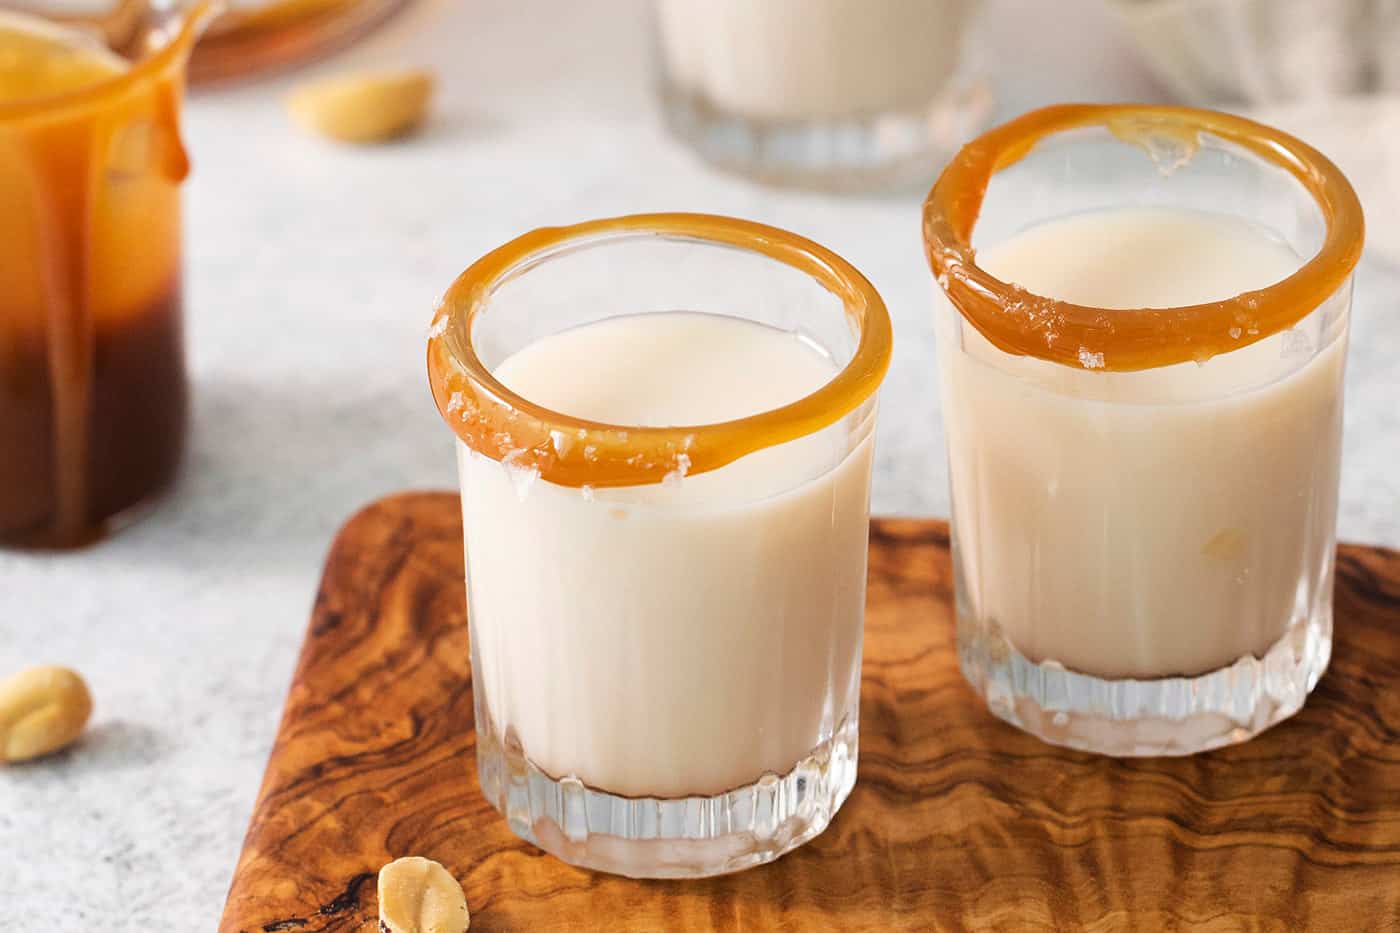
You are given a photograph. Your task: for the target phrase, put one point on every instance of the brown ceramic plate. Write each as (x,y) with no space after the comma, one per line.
(257,37)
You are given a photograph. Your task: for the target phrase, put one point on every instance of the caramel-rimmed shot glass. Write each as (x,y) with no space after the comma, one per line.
(1144,499)
(665,619)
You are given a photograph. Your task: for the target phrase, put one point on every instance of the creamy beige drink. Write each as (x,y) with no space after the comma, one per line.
(1154,523)
(812,59)
(683,638)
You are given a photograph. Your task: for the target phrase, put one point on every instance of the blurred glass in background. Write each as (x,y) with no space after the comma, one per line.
(832,94)
(1243,52)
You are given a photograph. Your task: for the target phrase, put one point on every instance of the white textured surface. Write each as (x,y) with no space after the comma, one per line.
(312,274)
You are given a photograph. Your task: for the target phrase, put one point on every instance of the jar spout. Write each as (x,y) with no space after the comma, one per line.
(138,28)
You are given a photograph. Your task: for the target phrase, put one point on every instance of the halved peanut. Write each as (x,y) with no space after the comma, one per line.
(417,895)
(363,108)
(42,709)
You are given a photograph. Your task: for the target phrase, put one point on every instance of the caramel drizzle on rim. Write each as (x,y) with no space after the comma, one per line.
(494,421)
(1025,324)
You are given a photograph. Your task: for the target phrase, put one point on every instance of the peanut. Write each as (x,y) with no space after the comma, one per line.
(42,709)
(417,895)
(363,108)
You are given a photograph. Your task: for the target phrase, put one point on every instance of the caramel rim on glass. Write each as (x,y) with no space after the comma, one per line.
(1025,324)
(569,451)
(189,22)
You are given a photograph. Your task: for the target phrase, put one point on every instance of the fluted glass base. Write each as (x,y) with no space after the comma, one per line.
(686,837)
(1167,716)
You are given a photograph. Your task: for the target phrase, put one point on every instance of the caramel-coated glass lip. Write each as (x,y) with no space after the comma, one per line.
(1024,324)
(493,420)
(188,22)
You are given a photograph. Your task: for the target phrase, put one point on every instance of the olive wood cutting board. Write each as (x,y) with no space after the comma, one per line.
(957,821)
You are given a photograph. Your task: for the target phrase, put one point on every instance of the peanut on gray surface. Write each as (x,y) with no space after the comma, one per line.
(417,895)
(42,709)
(363,108)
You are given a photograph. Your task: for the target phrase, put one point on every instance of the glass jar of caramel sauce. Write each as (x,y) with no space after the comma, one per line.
(93,388)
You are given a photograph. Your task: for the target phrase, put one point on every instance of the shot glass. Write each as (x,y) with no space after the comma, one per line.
(1144,499)
(665,620)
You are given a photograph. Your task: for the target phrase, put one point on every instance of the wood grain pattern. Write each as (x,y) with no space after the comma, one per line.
(958,822)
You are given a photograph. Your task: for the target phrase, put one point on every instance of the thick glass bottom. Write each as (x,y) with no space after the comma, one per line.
(890,151)
(686,837)
(1130,718)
